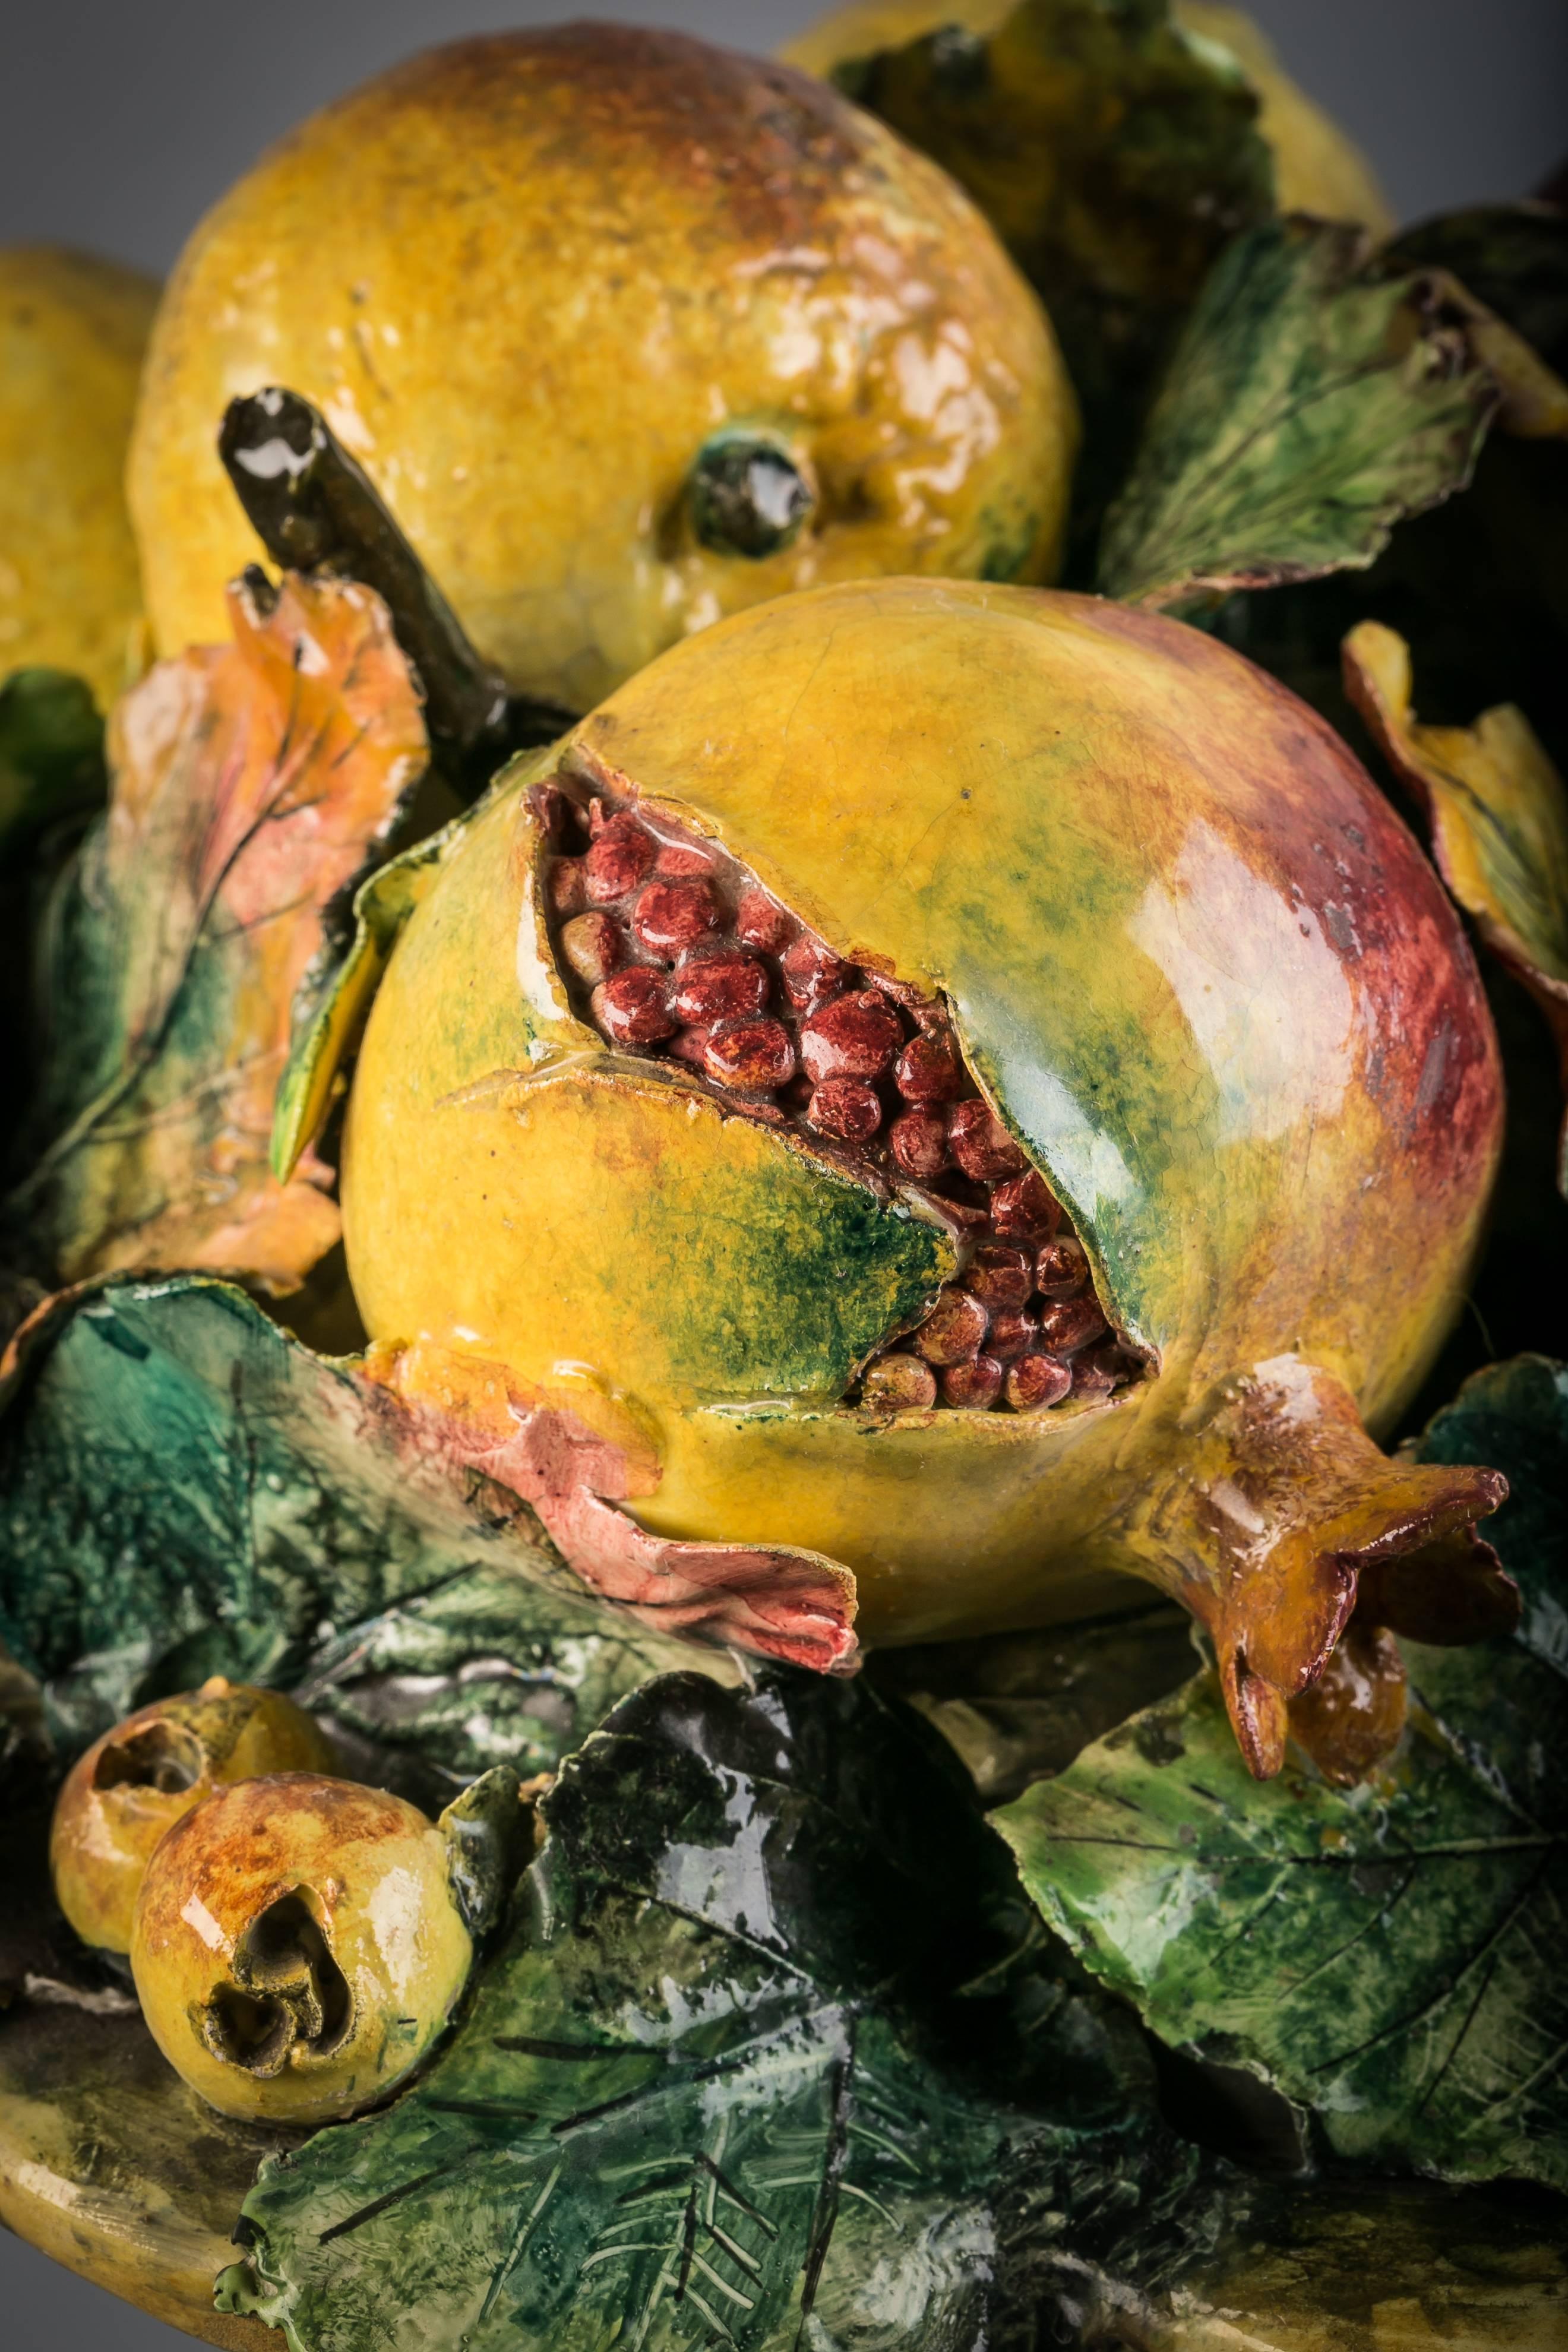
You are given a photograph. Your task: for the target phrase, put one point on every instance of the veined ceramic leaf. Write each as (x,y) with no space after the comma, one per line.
(1309,407)
(1513,257)
(250,782)
(188,1491)
(1388,1958)
(692,2102)
(1498,813)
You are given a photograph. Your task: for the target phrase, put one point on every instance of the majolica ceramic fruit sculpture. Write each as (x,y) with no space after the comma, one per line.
(73,333)
(136,1781)
(296,1946)
(972,1082)
(629,332)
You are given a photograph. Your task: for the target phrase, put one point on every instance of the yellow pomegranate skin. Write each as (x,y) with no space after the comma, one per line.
(529,279)
(1203,970)
(134,1783)
(1317,169)
(72,334)
(297,1946)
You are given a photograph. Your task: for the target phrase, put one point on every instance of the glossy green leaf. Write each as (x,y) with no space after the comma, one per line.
(707,2094)
(188,1491)
(1309,407)
(1114,157)
(1388,1958)
(250,784)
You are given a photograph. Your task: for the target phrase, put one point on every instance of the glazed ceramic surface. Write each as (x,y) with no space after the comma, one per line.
(1204,971)
(72,332)
(541,285)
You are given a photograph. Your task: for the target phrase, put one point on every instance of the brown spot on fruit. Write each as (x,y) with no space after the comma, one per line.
(918,1141)
(756,1054)
(981,1144)
(631,1009)
(853,1036)
(845,1107)
(973,1387)
(898,1383)
(670,917)
(762,922)
(952,1330)
(1036,1382)
(1000,1276)
(619,856)
(1025,1207)
(929,1069)
(720,987)
(591,943)
(1061,1267)
(1068,1324)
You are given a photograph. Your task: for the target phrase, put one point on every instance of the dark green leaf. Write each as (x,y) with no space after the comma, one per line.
(1309,407)
(52,754)
(188,1491)
(1512,258)
(692,2102)
(1389,1959)
(1113,156)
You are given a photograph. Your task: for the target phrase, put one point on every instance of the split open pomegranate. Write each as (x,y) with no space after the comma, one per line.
(969,1091)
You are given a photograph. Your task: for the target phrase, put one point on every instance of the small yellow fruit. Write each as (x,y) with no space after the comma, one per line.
(298,1946)
(72,332)
(629,332)
(136,1781)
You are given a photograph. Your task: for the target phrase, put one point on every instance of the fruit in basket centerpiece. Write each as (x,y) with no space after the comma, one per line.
(73,333)
(1317,169)
(135,1783)
(298,1945)
(629,332)
(1028,1097)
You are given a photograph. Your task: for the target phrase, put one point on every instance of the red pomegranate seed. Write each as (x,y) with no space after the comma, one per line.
(855,1036)
(846,1107)
(1036,1381)
(720,987)
(1091,1376)
(898,1383)
(591,944)
(919,1141)
(974,1387)
(691,1046)
(568,886)
(762,922)
(630,1007)
(1012,1333)
(929,1069)
(1000,1276)
(1061,1268)
(670,917)
(981,1144)
(952,1330)
(1025,1205)
(755,1054)
(811,974)
(621,853)
(1068,1324)
(681,861)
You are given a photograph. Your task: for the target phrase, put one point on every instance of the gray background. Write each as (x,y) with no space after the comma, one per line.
(120,125)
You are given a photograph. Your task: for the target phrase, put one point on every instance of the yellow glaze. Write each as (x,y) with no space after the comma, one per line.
(1317,169)
(361,1969)
(1205,971)
(527,278)
(132,1784)
(73,333)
